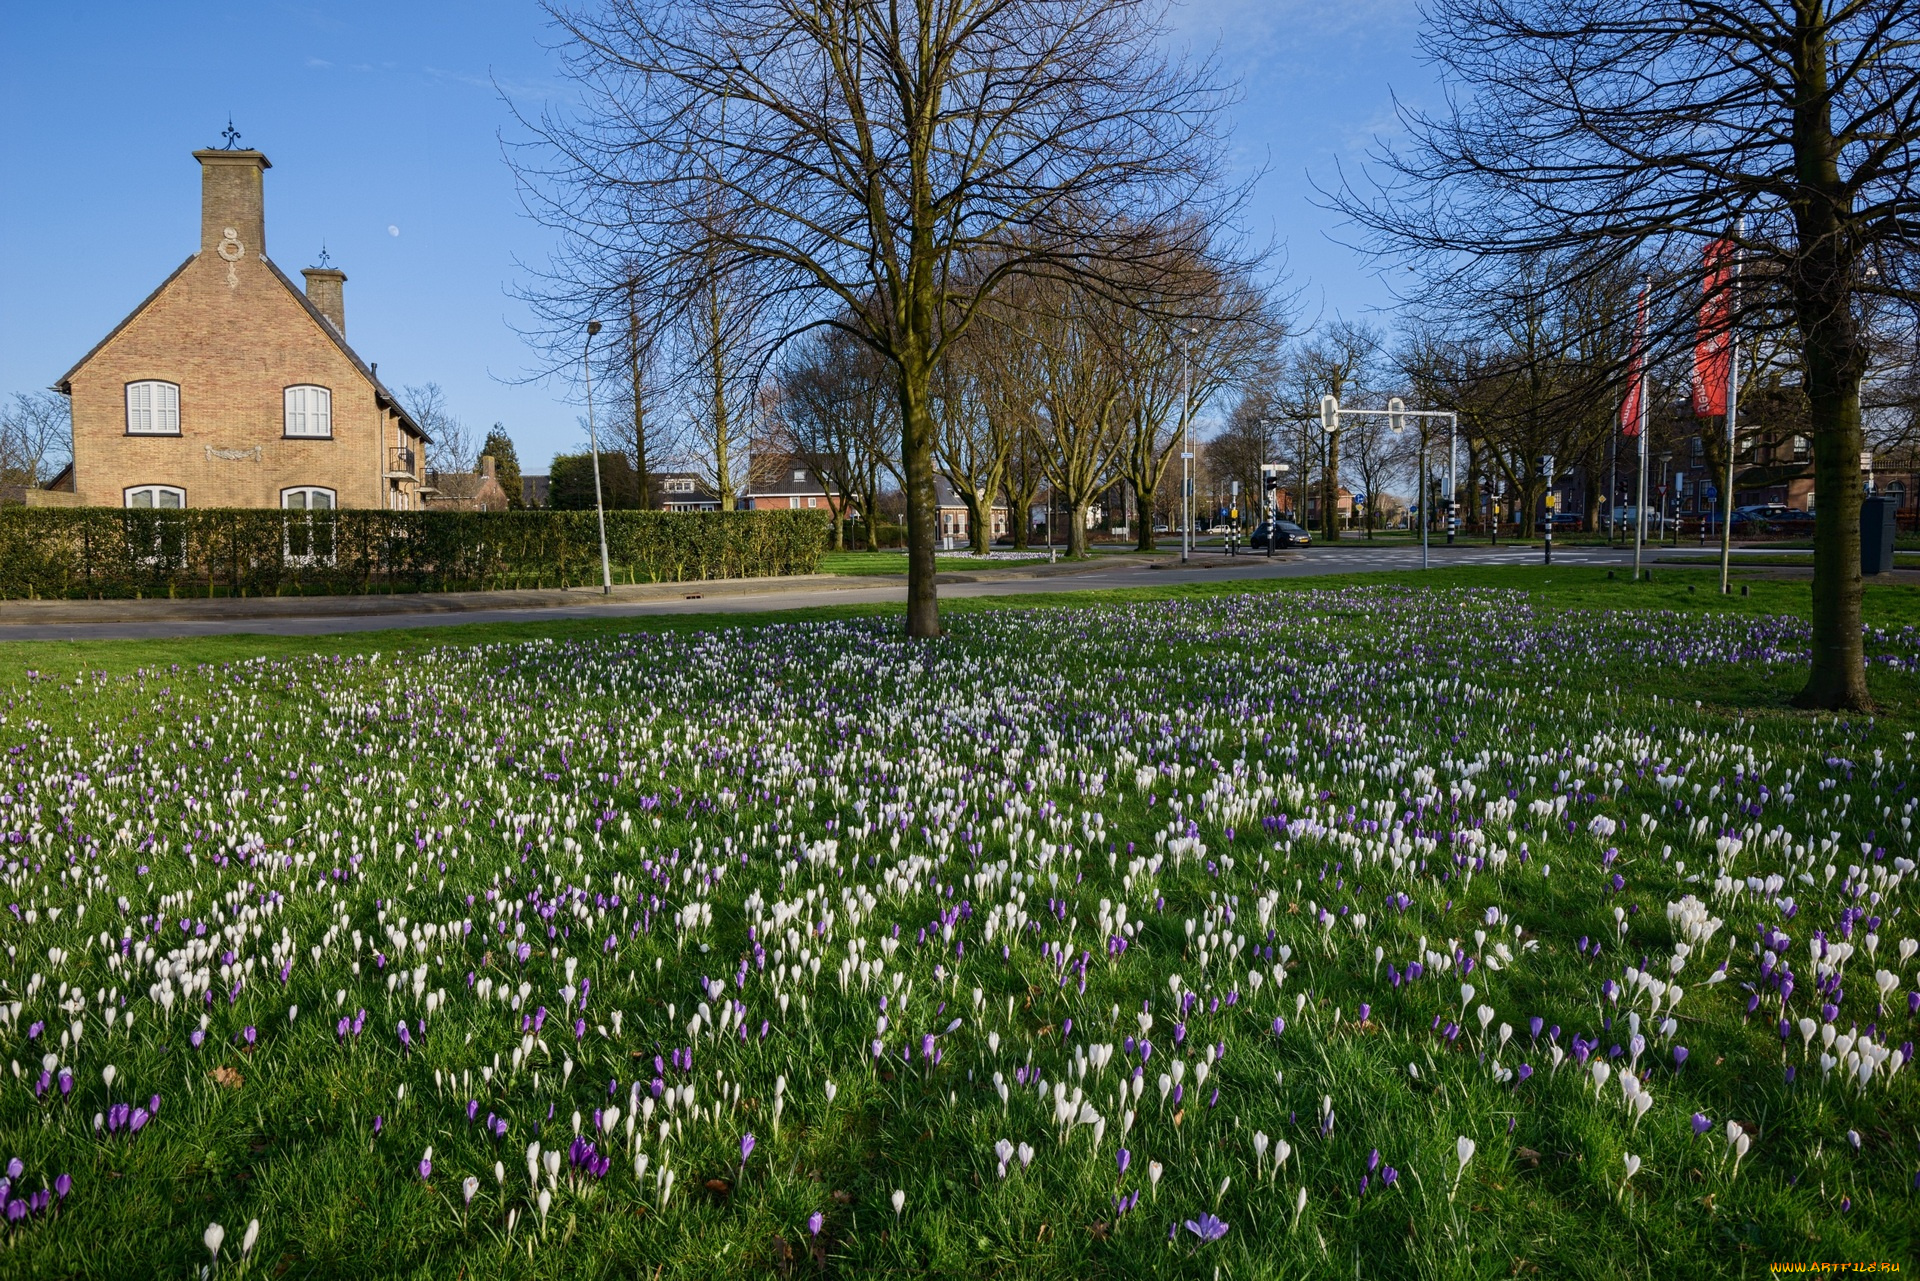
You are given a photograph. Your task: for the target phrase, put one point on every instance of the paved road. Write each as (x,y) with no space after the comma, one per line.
(1209,568)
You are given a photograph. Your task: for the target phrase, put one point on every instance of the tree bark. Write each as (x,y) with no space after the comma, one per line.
(923,516)
(1838,677)
(1835,360)
(1144,540)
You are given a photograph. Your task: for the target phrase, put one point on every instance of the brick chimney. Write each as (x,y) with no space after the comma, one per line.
(487,468)
(232,201)
(326,289)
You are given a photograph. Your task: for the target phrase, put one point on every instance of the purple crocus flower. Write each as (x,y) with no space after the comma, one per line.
(62,1186)
(1125,1158)
(1679,1055)
(815,1222)
(1207,1227)
(406,1037)
(426,1168)
(1701,1124)
(746,1147)
(1388,1177)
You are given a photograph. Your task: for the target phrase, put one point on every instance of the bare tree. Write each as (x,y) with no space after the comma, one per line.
(1173,361)
(978,430)
(453,448)
(1623,128)
(1338,361)
(836,416)
(886,168)
(36,437)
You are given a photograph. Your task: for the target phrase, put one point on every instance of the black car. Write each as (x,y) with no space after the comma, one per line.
(1284,534)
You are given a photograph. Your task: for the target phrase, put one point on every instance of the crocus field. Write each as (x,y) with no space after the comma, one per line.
(1346,931)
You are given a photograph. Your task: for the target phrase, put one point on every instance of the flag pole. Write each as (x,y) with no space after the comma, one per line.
(1640,426)
(1733,413)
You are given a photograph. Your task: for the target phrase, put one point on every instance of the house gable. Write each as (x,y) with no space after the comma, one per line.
(265,394)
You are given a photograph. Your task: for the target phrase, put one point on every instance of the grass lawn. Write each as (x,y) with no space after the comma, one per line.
(1436,925)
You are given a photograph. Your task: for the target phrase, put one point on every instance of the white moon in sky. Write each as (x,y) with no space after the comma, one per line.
(392,230)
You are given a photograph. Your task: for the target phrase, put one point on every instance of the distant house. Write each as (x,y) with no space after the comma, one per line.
(470,491)
(956,521)
(787,484)
(534,490)
(1343,506)
(682,491)
(228,386)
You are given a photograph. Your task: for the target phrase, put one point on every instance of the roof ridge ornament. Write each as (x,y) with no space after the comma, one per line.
(231,134)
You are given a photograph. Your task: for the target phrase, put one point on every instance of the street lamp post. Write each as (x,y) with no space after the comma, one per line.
(593,441)
(1640,484)
(1186,451)
(1733,413)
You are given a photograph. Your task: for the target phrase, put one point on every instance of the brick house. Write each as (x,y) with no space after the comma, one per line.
(231,387)
(466,491)
(779,483)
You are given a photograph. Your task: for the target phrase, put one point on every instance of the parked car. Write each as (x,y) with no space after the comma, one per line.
(1284,533)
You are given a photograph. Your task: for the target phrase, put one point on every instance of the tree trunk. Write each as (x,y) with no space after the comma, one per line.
(1838,679)
(1143,512)
(923,515)
(1835,358)
(979,524)
(1077,529)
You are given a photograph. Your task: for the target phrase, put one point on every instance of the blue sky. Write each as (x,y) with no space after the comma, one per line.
(388,118)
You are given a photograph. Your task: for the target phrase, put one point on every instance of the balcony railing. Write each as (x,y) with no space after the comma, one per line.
(402,462)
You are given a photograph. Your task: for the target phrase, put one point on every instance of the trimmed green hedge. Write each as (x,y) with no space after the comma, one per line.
(56,552)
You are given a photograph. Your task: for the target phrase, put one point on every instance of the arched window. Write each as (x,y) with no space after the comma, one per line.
(156,495)
(153,409)
(309,412)
(307,498)
(309,532)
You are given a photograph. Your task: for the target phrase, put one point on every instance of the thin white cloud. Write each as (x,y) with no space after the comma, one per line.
(321,63)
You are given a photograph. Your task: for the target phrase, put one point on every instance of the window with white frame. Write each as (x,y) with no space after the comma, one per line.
(813,502)
(679,487)
(156,496)
(307,498)
(309,412)
(157,542)
(153,409)
(799,476)
(309,529)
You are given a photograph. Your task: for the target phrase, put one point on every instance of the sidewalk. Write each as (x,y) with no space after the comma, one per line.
(41,613)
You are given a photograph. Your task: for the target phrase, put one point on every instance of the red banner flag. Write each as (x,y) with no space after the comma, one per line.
(1713,347)
(1636,373)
